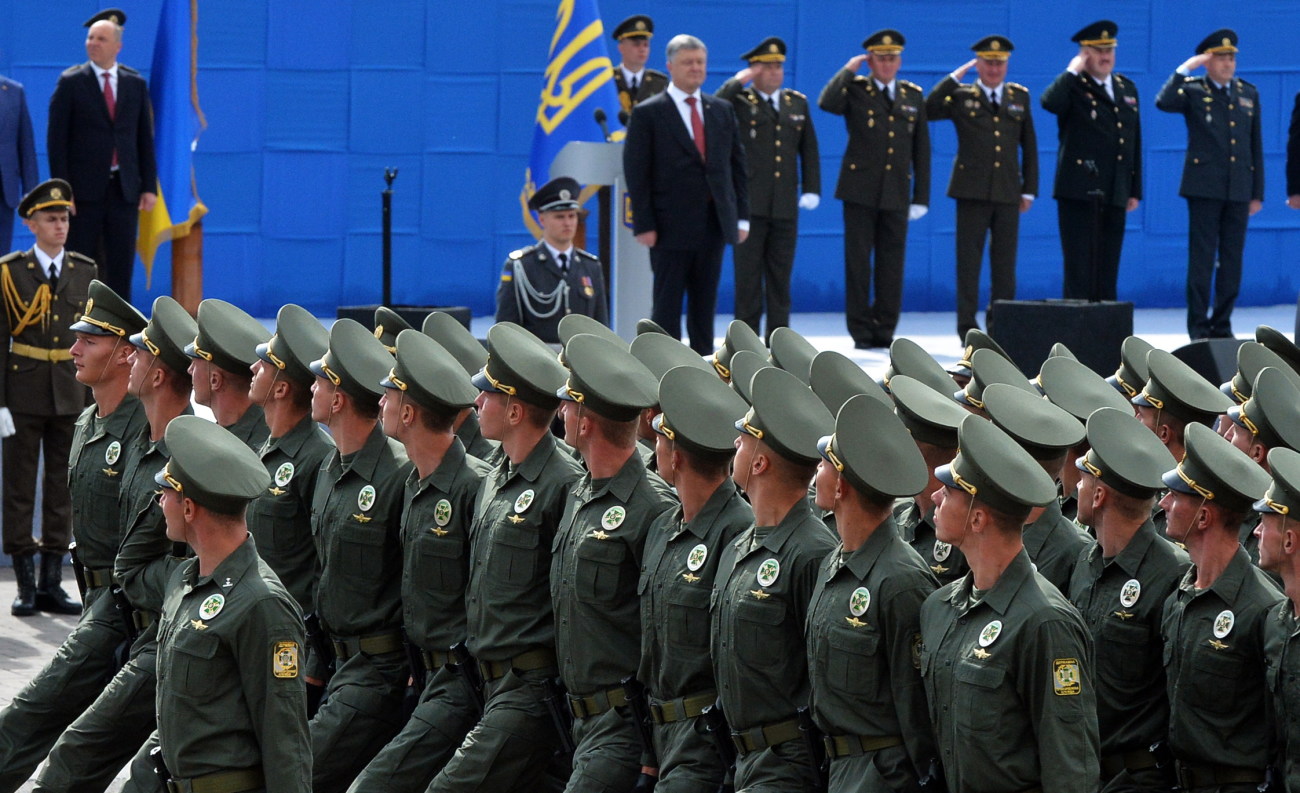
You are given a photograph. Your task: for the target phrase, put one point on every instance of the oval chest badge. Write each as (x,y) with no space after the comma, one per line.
(613,518)
(442,512)
(1223,623)
(859,601)
(284,474)
(366,498)
(768,572)
(212,606)
(525,500)
(113,453)
(695,560)
(990,633)
(1130,592)
(941,551)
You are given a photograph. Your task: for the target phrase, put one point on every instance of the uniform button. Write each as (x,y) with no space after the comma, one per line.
(777,174)
(1119,157)
(56,338)
(1078,162)
(997,133)
(1232,123)
(853,166)
(1233,142)
(778,144)
(778,158)
(1121,140)
(753,123)
(997,148)
(1229,107)
(891,133)
(1119,124)
(997,165)
(891,117)
(888,167)
(891,150)
(1230,159)
(1196,161)
(778,127)
(56,316)
(996,120)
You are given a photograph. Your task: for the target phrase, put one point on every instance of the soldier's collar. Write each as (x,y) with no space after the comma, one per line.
(232,569)
(865,557)
(366,459)
(1130,559)
(293,440)
(442,477)
(1003,592)
(536,461)
(714,508)
(1035,534)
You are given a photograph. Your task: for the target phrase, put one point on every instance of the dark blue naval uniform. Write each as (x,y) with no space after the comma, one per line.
(535,292)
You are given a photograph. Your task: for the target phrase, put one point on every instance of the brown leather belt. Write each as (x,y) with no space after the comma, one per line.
(766,735)
(435,660)
(682,708)
(1197,776)
(222,782)
(41,353)
(374,644)
(853,745)
(1114,764)
(598,703)
(524,662)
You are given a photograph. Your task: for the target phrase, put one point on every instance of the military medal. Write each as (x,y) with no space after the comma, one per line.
(525,500)
(283,474)
(613,518)
(990,633)
(768,571)
(113,452)
(442,512)
(1223,623)
(859,601)
(941,551)
(1130,592)
(212,606)
(366,498)
(698,554)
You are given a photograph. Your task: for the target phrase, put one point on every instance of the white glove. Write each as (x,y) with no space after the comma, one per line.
(809,201)
(917,211)
(6,423)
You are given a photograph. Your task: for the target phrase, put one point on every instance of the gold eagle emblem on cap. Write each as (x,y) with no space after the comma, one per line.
(1227,42)
(1105,34)
(114,19)
(995,45)
(888,39)
(640,24)
(57,194)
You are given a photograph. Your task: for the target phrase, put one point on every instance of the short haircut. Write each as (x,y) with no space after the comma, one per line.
(436,420)
(621,434)
(683,41)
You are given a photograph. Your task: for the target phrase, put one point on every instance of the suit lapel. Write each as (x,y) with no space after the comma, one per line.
(96,89)
(678,127)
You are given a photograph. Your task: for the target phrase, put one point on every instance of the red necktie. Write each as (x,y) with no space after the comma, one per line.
(697,125)
(111,101)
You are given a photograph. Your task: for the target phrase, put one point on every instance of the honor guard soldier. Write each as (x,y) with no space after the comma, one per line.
(45,289)
(633,81)
(222,357)
(229,717)
(763,585)
(1120,586)
(995,175)
(456,339)
(544,282)
(1098,161)
(1214,622)
(74,676)
(1006,660)
(784,177)
(864,633)
(1223,176)
(884,182)
(1279,552)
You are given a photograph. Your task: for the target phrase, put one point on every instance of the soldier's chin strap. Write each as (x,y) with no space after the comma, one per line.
(270,389)
(1188,531)
(116,341)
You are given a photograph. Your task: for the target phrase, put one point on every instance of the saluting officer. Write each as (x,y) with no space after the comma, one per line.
(1223,176)
(633,81)
(995,175)
(1279,552)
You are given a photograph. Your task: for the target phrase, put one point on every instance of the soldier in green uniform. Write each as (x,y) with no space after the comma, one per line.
(1268,419)
(356,521)
(739,336)
(633,81)
(1213,626)
(423,394)
(1120,586)
(456,339)
(1223,176)
(230,684)
(784,176)
(388,325)
(884,182)
(764,582)
(222,356)
(992,184)
(1174,398)
(511,628)
(908,358)
(988,368)
(973,341)
(863,632)
(1279,553)
(85,661)
(660,353)
(1007,661)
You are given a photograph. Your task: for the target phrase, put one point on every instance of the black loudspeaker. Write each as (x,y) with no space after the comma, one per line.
(1213,359)
(1027,329)
(414,315)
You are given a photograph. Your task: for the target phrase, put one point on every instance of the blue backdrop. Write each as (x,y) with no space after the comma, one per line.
(307,102)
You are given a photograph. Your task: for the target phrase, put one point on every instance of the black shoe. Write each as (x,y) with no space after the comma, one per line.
(25,571)
(50,595)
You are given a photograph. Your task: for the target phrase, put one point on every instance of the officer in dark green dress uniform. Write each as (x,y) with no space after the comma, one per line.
(230,681)
(764,582)
(456,339)
(1223,176)
(1120,586)
(884,182)
(510,623)
(695,445)
(356,521)
(77,672)
(633,81)
(1279,552)
(1213,627)
(995,175)
(1007,661)
(221,361)
(863,632)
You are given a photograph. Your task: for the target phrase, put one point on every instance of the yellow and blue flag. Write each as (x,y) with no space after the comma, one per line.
(178,121)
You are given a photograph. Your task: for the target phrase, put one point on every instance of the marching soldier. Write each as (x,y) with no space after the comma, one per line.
(633,81)
(456,339)
(221,361)
(1279,553)
(1174,398)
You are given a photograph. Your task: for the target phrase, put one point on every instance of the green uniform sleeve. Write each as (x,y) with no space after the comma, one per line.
(270,653)
(903,638)
(1056,686)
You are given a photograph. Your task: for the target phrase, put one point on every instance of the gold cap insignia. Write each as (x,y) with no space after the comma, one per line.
(995,45)
(90,305)
(1227,42)
(114,19)
(774,48)
(1105,34)
(888,39)
(640,24)
(56,193)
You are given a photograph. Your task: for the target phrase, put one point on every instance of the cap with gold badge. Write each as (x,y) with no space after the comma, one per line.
(786,416)
(557,195)
(170,328)
(635,26)
(456,339)
(228,336)
(1123,455)
(739,336)
(299,339)
(1041,428)
(1219,42)
(976,339)
(107,314)
(606,379)
(1100,35)
(872,450)
(1272,414)
(520,365)
(1217,471)
(987,368)
(211,466)
(1078,390)
(792,352)
(995,470)
(115,15)
(1175,387)
(769,50)
(1283,496)
(699,412)
(355,361)
(50,194)
(884,42)
(388,323)
(993,48)
(429,375)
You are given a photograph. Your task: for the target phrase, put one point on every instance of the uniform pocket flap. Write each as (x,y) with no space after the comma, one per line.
(602,551)
(858,643)
(982,676)
(197,644)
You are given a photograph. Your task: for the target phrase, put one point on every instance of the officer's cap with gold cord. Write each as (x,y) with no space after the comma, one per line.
(456,339)
(976,339)
(884,42)
(699,412)
(1283,495)
(930,416)
(872,450)
(571,325)
(1253,358)
(646,325)
(107,314)
(1217,471)
(1041,428)
(1123,454)
(520,365)
(115,15)
(769,50)
(1101,35)
(988,368)
(388,323)
(835,379)
(53,194)
(993,48)
(995,470)
(635,26)
(170,328)
(661,353)
(299,339)
(429,375)
(211,466)
(787,416)
(1274,339)
(228,337)
(606,379)
(1272,414)
(1132,372)
(744,365)
(1176,388)
(355,361)
(908,358)
(1078,390)
(792,352)
(739,337)
(1219,42)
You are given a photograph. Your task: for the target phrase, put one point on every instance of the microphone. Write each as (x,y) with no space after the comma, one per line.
(623,116)
(601,120)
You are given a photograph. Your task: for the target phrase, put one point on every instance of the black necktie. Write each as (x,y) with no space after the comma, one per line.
(564,262)
(771,100)
(1223,92)
(54,277)
(993,101)
(631,87)
(889,97)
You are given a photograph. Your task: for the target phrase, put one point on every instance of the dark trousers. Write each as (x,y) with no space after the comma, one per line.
(106,231)
(881,232)
(692,274)
(6,227)
(22,452)
(975,221)
(1214,227)
(1083,280)
(763,264)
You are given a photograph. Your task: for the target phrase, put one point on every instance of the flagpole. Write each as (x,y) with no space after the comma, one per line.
(187,268)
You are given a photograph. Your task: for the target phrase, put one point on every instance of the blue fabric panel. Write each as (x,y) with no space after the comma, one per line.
(230,184)
(387,111)
(302,195)
(307,110)
(389,34)
(233,33)
(365,189)
(226,94)
(310,34)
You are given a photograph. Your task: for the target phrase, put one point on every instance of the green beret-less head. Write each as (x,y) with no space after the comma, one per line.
(699,411)
(835,379)
(356,361)
(228,336)
(170,328)
(211,466)
(429,375)
(107,314)
(995,470)
(873,450)
(456,339)
(299,339)
(1217,471)
(606,379)
(520,365)
(787,416)
(1122,455)
(792,352)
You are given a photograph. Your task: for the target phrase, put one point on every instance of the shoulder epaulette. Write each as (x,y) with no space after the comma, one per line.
(522,252)
(124,68)
(1246,82)
(910,84)
(1017,85)
(793,92)
(81,257)
(655,73)
(12,257)
(71,70)
(857,78)
(579,252)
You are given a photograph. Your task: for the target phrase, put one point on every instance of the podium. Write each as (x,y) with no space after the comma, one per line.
(631,282)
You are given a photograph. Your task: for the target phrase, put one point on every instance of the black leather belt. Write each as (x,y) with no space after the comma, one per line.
(1198,776)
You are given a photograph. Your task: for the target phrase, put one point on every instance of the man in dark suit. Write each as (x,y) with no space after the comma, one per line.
(1223,176)
(18,171)
(1098,162)
(884,182)
(633,81)
(1293,157)
(781,146)
(100,139)
(685,171)
(991,184)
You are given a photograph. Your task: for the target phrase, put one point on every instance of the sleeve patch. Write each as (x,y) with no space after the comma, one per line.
(1066,680)
(284,660)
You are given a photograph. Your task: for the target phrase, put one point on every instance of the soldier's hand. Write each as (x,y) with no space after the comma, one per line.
(965,67)
(648,238)
(1132,205)
(745,75)
(1195,62)
(1025,204)
(917,211)
(809,201)
(6,423)
(1256,205)
(855,62)
(1293,201)
(1076,64)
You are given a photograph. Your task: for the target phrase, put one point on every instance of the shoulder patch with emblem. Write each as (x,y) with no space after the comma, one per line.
(284,660)
(1066,679)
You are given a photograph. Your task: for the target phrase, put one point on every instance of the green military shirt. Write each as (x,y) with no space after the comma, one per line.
(759,606)
(1214,657)
(864,644)
(356,520)
(1122,600)
(519,509)
(677,576)
(987,167)
(1281,632)
(1054,544)
(1010,677)
(251,427)
(280,520)
(95,465)
(945,561)
(230,684)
